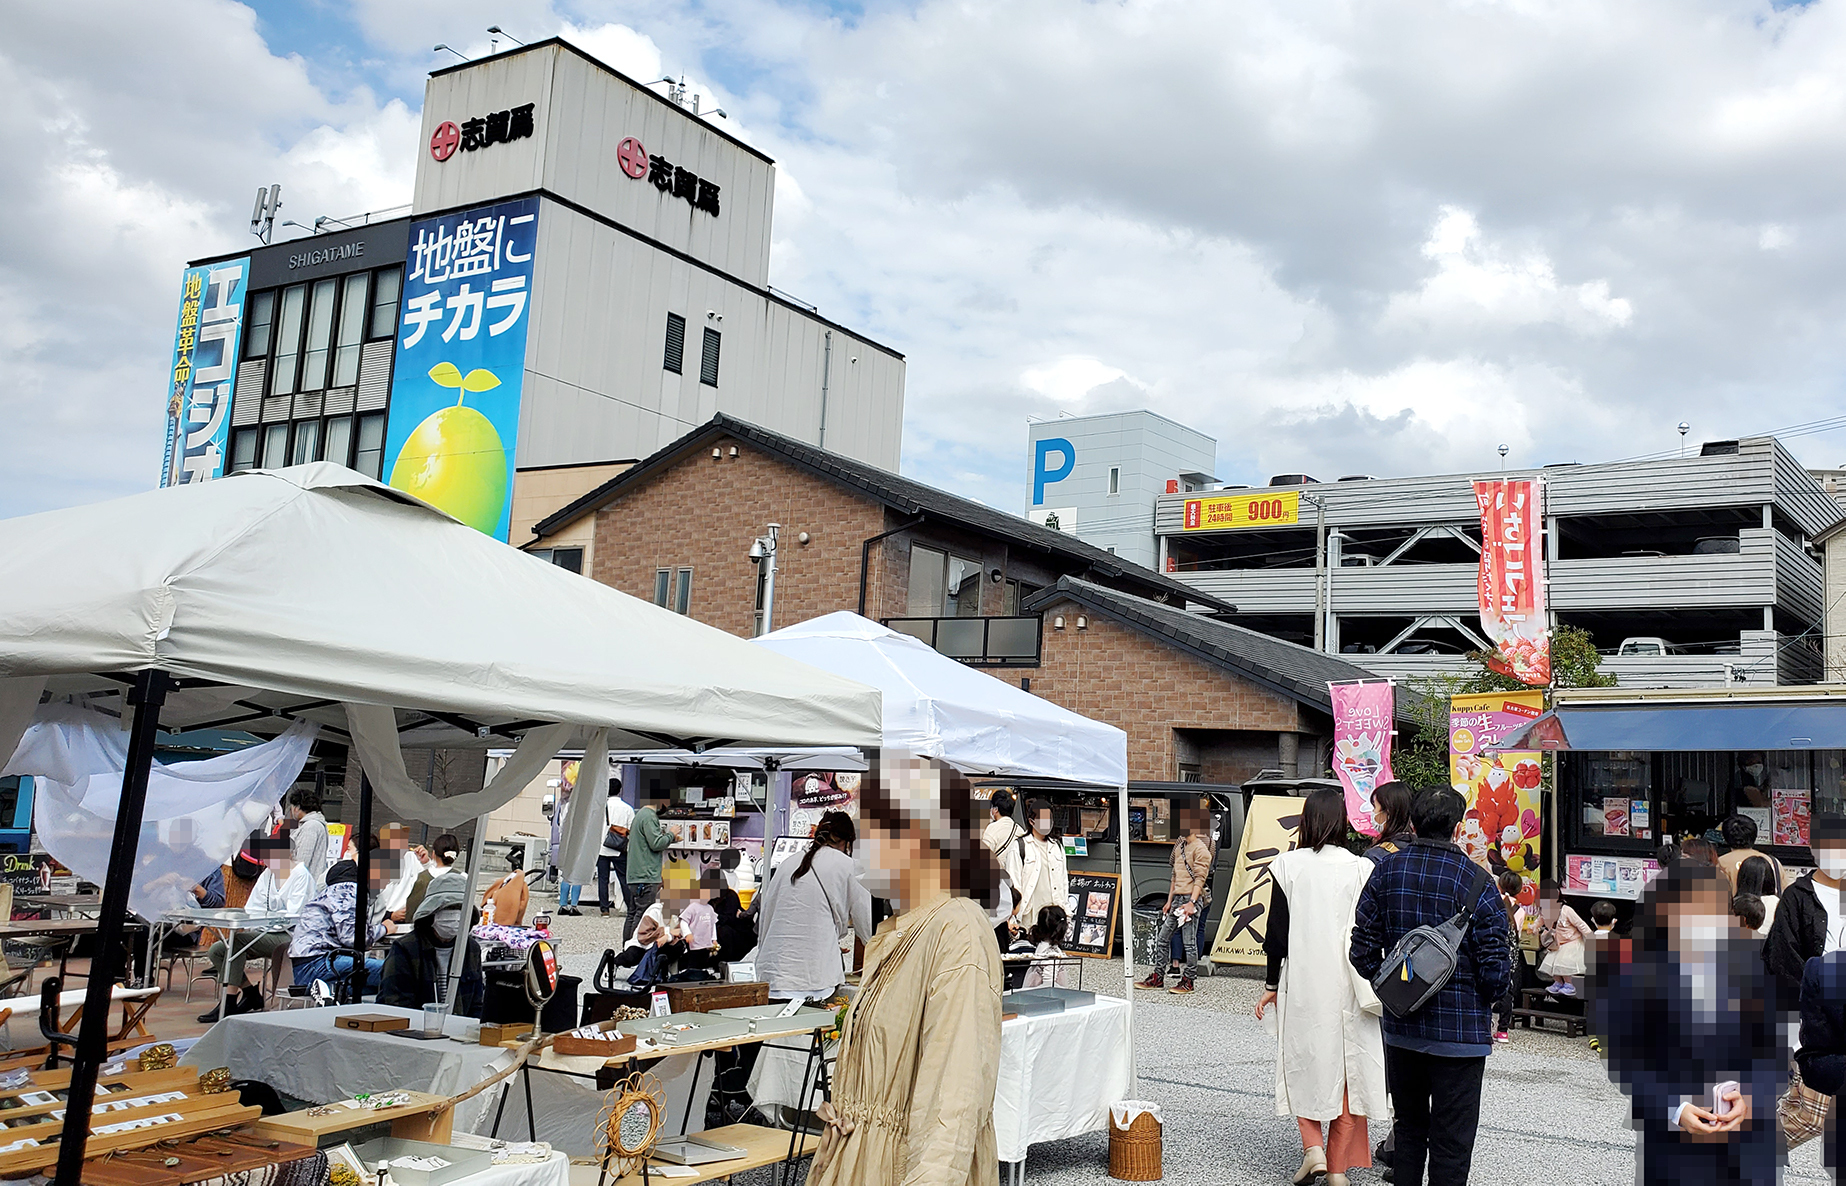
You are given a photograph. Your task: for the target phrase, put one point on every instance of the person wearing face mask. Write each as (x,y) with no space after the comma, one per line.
(1391,814)
(416,971)
(1691,1033)
(808,907)
(1043,879)
(1752,782)
(1188,896)
(1809,921)
(919,1054)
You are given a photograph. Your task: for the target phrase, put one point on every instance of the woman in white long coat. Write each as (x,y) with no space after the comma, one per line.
(1329,1048)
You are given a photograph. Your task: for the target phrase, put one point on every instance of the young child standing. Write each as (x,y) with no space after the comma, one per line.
(1510,883)
(1566,932)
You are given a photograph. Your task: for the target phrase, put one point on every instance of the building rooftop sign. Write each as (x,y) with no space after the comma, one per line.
(481,131)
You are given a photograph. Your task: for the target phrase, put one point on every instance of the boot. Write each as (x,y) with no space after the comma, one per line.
(1313,1165)
(212,1017)
(250,1000)
(1334,1180)
(1154,979)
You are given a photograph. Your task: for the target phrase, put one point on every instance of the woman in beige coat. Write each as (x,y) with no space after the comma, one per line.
(1329,1045)
(920,1051)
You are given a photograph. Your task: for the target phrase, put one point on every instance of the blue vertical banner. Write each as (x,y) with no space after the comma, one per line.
(205,348)
(461,355)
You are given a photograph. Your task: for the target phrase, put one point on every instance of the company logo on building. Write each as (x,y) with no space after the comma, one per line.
(326,255)
(481,131)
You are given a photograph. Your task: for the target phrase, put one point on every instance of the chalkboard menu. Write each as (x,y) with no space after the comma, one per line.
(1093,906)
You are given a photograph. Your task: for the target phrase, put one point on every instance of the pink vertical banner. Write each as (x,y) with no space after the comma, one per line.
(1363,716)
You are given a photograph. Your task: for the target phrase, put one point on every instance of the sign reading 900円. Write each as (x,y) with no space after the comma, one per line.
(1230,512)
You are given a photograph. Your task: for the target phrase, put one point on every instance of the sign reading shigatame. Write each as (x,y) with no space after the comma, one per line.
(1230,512)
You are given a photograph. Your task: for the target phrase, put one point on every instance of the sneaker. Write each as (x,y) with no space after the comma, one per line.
(1502,1036)
(1184,985)
(1152,980)
(1566,989)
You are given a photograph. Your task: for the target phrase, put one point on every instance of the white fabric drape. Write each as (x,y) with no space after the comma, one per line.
(18,701)
(375,740)
(197,813)
(581,838)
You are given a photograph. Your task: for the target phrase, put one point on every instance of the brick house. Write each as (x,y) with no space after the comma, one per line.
(1200,698)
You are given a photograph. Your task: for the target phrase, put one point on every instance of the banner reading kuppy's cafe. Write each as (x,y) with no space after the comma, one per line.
(1512,578)
(1501,829)
(1363,713)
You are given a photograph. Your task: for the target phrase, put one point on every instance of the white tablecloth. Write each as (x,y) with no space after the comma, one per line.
(553,1171)
(1059,1072)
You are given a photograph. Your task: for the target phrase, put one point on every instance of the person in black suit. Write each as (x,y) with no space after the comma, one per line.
(1689,1022)
(1823,1038)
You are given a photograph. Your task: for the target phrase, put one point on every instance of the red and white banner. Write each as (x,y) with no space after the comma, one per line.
(1512,583)
(1363,714)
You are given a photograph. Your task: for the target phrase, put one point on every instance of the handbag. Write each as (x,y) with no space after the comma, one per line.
(1802,1111)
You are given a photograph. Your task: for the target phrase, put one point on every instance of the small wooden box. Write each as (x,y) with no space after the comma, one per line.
(613,1046)
(709,995)
(372,1023)
(498,1033)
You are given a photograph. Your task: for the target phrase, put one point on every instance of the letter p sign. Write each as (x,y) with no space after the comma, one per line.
(1042,473)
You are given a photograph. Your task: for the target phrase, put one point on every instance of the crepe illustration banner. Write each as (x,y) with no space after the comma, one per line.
(1362,727)
(1512,578)
(1503,787)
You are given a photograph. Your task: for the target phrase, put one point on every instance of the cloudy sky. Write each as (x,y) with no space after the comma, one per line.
(1342,237)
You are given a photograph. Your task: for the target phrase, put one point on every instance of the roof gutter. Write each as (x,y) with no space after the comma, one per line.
(865,553)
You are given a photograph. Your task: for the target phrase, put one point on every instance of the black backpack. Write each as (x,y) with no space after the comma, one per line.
(1423,961)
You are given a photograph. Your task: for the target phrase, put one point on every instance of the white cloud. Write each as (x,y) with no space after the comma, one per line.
(1375,238)
(1479,283)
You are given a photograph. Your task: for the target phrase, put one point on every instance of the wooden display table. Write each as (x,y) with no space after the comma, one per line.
(761,1144)
(425,1118)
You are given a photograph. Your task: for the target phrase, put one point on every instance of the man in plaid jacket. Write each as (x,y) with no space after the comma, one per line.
(1434,1058)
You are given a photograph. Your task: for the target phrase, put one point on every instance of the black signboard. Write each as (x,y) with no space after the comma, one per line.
(1093,906)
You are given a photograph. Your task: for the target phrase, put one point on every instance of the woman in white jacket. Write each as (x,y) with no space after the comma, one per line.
(1037,866)
(1330,1047)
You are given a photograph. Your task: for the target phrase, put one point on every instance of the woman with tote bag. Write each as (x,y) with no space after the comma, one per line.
(1329,1046)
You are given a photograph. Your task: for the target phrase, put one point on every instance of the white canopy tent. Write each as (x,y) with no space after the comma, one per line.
(316,594)
(940,708)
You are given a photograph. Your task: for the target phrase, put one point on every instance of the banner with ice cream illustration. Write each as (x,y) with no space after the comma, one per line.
(1512,578)
(1362,725)
(1501,829)
(461,357)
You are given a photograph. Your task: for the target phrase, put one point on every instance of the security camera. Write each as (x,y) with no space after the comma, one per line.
(757,551)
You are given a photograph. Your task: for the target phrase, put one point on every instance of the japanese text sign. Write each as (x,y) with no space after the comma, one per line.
(1512,578)
(1270,829)
(1363,716)
(1504,788)
(1230,512)
(461,352)
(204,371)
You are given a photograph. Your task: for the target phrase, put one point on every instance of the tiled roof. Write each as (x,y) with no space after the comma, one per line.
(1287,668)
(900,493)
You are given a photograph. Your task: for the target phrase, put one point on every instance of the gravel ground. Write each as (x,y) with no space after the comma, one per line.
(1548,1111)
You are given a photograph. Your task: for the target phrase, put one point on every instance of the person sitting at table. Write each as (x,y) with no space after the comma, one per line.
(736,929)
(684,944)
(504,902)
(442,853)
(416,969)
(805,908)
(283,889)
(1050,968)
(395,853)
(323,945)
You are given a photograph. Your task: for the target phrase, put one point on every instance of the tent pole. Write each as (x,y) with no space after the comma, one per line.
(147,695)
(462,934)
(361,905)
(1126,898)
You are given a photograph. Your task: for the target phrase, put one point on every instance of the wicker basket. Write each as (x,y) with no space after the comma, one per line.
(1134,1152)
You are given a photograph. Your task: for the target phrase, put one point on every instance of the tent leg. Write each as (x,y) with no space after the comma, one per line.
(1126,900)
(147,695)
(459,956)
(362,903)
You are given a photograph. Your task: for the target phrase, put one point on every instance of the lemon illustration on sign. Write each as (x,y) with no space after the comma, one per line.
(455,460)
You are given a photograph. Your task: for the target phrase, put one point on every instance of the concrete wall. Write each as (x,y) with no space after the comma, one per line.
(1147,449)
(538,493)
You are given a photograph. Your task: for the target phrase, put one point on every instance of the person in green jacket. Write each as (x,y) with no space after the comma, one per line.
(647,839)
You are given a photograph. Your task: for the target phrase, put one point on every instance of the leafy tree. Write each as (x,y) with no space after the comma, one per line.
(1574,664)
